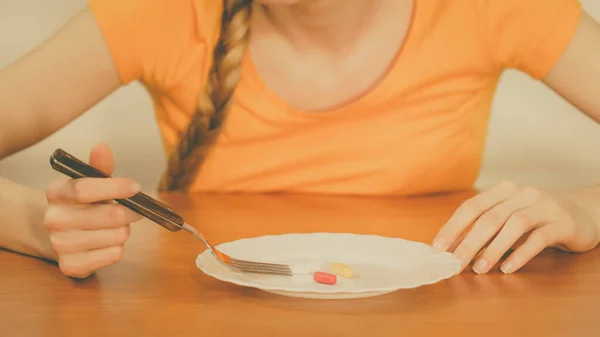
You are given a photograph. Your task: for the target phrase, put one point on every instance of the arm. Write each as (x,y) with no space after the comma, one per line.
(21,228)
(485,228)
(576,77)
(54,84)
(40,93)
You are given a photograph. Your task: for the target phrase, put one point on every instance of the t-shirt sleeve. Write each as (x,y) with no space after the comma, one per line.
(142,33)
(531,35)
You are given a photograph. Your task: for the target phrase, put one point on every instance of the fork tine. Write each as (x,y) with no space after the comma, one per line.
(283,270)
(279,270)
(259,264)
(243,265)
(265,271)
(253,267)
(270,267)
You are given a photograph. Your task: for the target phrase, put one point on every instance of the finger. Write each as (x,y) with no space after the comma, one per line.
(535,243)
(101,157)
(518,224)
(91,190)
(88,217)
(470,211)
(492,221)
(457,242)
(81,265)
(79,241)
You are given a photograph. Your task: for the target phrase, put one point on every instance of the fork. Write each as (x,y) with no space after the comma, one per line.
(161,214)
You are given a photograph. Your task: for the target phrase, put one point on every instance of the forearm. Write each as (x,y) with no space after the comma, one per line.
(54,83)
(22,220)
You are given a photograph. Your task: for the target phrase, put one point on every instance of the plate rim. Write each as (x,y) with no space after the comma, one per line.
(332,290)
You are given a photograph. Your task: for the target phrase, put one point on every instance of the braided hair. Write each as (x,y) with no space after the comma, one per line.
(185,160)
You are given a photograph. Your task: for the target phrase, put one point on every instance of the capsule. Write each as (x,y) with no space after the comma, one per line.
(342,270)
(325,278)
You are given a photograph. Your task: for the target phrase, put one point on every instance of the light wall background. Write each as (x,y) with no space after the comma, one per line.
(535,136)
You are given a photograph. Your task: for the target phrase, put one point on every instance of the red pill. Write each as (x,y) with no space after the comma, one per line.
(325,278)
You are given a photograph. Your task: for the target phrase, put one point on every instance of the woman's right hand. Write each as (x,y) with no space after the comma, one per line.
(87,229)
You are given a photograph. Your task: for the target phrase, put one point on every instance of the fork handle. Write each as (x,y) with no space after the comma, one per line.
(141,203)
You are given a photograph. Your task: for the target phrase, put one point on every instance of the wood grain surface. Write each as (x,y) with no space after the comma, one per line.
(158,291)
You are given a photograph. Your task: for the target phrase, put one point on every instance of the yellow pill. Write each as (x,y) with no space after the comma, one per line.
(342,270)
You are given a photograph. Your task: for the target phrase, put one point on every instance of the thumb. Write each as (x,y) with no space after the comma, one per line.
(101,157)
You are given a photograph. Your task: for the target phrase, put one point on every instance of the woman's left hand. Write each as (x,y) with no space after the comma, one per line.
(504,214)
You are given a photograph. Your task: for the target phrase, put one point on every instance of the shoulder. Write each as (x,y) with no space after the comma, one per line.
(502,11)
(530,35)
(511,11)
(150,37)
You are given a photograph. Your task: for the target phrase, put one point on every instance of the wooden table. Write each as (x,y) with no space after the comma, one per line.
(157,290)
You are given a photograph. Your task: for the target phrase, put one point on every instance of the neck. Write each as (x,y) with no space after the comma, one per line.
(331,25)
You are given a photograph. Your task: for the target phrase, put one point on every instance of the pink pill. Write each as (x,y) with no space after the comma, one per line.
(324,278)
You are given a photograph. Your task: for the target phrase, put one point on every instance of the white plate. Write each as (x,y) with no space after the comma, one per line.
(382,265)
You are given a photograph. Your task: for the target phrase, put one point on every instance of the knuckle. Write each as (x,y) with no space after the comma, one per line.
(51,194)
(73,270)
(117,254)
(521,221)
(540,238)
(67,269)
(470,207)
(508,185)
(121,235)
(61,246)
(531,192)
(51,219)
(492,218)
(78,190)
(53,190)
(116,214)
(468,248)
(55,243)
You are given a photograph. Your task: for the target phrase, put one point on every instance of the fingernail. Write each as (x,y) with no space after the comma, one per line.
(438,244)
(135,187)
(507,268)
(479,266)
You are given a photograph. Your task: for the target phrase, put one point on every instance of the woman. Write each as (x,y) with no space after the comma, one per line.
(386,97)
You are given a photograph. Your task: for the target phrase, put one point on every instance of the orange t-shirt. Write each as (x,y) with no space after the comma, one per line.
(422,129)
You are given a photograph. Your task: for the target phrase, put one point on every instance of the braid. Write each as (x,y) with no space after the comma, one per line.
(213,104)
